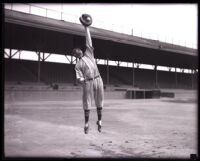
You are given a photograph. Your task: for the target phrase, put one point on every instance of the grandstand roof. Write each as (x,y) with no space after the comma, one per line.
(30,32)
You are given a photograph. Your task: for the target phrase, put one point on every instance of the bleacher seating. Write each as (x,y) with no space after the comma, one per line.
(166,79)
(26,71)
(57,73)
(15,71)
(145,78)
(184,80)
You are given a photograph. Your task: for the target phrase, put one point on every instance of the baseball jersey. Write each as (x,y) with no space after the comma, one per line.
(86,67)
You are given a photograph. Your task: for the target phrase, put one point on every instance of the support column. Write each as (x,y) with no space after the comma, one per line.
(71,62)
(156,77)
(38,67)
(176,82)
(10,54)
(10,60)
(107,70)
(192,78)
(133,75)
(19,54)
(43,57)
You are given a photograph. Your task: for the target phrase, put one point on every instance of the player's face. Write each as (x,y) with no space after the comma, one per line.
(78,54)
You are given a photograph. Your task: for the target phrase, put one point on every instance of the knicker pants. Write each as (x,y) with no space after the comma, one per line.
(93,88)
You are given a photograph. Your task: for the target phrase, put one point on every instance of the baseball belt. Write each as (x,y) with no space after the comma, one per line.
(89,79)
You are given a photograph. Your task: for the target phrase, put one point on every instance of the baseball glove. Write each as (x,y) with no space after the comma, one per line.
(86,19)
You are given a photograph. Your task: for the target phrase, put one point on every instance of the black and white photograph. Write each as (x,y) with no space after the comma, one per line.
(100,80)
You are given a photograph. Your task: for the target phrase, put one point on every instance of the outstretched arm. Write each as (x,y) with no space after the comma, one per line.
(88,36)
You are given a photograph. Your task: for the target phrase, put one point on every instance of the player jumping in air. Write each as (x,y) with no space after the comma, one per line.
(88,75)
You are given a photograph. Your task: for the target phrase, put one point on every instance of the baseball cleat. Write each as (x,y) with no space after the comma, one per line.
(99,126)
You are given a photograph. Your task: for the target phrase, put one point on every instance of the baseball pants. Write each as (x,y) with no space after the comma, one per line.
(93,88)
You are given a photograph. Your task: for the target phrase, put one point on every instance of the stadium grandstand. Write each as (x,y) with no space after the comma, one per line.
(33,45)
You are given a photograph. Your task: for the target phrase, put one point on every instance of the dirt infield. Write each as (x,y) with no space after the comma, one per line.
(131,128)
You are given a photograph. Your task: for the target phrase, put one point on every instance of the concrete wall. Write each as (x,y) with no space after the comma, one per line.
(183,94)
(12,96)
(38,95)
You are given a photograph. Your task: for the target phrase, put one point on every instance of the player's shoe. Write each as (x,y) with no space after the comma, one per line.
(99,126)
(86,129)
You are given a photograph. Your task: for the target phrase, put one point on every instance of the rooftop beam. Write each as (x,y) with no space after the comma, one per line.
(72,28)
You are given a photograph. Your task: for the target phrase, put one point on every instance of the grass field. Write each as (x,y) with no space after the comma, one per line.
(152,128)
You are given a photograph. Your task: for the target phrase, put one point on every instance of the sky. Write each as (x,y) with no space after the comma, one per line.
(175,23)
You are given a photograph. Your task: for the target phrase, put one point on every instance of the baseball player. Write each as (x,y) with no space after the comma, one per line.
(88,75)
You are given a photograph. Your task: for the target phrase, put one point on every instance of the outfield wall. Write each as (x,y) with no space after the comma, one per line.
(30,91)
(12,96)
